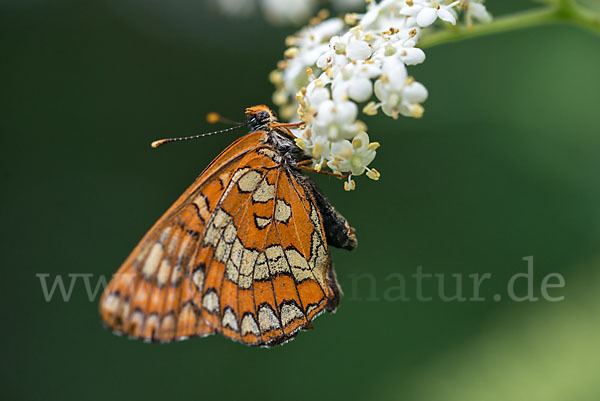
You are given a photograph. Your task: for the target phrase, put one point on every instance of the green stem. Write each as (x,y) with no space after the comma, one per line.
(565,11)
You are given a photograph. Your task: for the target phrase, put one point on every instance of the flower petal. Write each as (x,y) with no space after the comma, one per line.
(360,89)
(412,56)
(346,112)
(445,15)
(415,93)
(359,50)
(426,16)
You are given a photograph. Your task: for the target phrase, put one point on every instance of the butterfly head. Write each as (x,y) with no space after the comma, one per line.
(260,117)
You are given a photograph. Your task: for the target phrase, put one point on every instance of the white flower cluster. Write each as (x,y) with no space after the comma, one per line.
(334,65)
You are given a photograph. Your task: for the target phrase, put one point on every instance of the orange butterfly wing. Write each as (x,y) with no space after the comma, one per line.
(242,252)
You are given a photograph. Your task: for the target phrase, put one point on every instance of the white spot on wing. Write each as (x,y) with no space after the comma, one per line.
(230,320)
(248,260)
(184,247)
(163,272)
(230,233)
(276,259)
(221,219)
(261,269)
(264,193)
(318,259)
(249,325)
(289,313)
(153,260)
(314,217)
(211,301)
(176,275)
(261,222)
(267,319)
(249,181)
(111,303)
(299,265)
(215,229)
(247,263)
(244,282)
(236,252)
(283,211)
(198,278)
(231,271)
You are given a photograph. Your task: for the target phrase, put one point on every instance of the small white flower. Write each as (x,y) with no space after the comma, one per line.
(353,156)
(354,81)
(358,49)
(342,49)
(426,12)
(408,53)
(335,54)
(475,11)
(320,150)
(402,47)
(398,93)
(311,100)
(336,120)
(316,95)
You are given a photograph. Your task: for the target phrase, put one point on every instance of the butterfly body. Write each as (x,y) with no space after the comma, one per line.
(243,251)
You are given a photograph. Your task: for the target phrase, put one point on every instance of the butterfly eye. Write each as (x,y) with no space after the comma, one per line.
(260,119)
(263,117)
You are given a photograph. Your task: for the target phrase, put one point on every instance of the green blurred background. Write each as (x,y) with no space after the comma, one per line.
(503,165)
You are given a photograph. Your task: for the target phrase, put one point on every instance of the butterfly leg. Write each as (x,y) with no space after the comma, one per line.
(288,125)
(303,165)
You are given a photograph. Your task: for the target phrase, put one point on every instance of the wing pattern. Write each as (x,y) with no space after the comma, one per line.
(243,252)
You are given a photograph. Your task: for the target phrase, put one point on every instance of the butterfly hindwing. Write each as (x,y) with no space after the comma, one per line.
(266,257)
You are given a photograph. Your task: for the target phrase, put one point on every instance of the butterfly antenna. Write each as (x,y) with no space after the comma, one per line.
(160,142)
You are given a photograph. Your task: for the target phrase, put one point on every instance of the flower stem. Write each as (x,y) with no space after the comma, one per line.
(562,11)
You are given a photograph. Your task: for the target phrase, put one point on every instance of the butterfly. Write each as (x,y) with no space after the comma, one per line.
(242,252)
